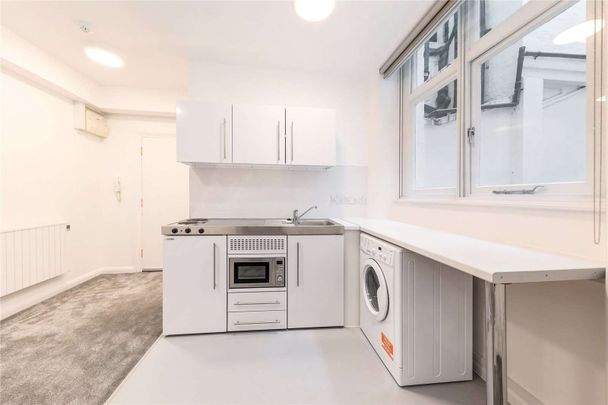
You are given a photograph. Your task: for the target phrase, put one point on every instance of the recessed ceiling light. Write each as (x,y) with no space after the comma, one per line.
(314,10)
(579,33)
(104,57)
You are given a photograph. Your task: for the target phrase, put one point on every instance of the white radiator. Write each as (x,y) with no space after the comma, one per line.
(30,256)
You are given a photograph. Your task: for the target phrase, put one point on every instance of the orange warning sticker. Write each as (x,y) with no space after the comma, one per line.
(387,345)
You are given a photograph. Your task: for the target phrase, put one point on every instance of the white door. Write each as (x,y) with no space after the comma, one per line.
(164,195)
(194,284)
(315,278)
(311,136)
(258,134)
(204,132)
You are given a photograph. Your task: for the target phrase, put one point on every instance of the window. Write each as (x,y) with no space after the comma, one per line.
(437,52)
(493,12)
(430,101)
(526,91)
(531,109)
(435,149)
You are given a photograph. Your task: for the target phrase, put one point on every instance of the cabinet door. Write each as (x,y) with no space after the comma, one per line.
(259,134)
(315,279)
(204,132)
(311,136)
(194,284)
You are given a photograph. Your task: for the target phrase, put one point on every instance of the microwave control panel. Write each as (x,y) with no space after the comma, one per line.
(280,273)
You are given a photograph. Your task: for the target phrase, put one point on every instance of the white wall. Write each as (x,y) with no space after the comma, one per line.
(556,331)
(338,191)
(49,175)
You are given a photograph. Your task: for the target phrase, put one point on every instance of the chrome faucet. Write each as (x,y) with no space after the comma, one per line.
(295,219)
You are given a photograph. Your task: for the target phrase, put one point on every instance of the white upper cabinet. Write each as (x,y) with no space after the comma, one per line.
(245,134)
(204,132)
(311,136)
(258,134)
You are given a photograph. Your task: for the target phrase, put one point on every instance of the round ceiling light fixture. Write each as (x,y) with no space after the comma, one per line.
(314,10)
(104,57)
(579,32)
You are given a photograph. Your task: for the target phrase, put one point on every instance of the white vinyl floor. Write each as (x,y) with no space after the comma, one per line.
(321,366)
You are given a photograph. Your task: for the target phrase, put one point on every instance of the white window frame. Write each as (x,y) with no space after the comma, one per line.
(408,100)
(524,21)
(473,51)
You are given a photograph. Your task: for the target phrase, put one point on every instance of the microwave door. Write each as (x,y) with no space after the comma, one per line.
(250,273)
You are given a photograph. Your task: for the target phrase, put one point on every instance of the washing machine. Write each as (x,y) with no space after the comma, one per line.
(416,313)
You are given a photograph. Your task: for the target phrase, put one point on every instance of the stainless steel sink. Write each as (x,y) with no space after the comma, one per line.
(312,222)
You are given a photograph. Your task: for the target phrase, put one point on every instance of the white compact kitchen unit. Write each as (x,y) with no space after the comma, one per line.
(218,279)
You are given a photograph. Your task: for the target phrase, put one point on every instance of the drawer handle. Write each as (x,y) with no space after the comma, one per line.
(257,303)
(256,323)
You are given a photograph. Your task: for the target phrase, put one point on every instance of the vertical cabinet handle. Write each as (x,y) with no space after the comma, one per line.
(214,266)
(279,140)
(297,264)
(291,141)
(224,138)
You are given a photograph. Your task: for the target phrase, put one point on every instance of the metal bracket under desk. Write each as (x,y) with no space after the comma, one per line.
(496,344)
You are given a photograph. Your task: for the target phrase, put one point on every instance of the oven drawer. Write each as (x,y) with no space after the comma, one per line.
(257,301)
(257,320)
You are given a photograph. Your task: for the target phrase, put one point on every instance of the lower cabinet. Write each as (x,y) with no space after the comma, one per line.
(194,284)
(257,310)
(315,279)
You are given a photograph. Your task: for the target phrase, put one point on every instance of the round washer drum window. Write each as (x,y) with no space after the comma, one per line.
(374,290)
(372,284)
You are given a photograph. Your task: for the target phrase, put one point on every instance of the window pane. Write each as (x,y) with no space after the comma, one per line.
(435,135)
(494,12)
(437,52)
(533,100)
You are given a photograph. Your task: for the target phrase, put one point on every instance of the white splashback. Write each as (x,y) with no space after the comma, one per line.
(246,193)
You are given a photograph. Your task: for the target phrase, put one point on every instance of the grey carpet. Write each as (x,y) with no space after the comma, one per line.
(76,347)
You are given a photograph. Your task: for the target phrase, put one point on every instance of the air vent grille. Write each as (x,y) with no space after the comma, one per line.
(256,244)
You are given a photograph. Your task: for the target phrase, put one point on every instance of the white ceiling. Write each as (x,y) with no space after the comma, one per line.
(158,38)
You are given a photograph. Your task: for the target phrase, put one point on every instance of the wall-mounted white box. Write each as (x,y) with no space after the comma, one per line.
(90,121)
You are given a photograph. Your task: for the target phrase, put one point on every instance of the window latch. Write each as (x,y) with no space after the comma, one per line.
(532,190)
(471,135)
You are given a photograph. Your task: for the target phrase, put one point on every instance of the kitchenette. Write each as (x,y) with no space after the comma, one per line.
(252,274)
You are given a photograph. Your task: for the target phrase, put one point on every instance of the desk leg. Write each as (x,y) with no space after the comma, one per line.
(496,344)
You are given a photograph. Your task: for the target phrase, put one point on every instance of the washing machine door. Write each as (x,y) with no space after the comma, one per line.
(374,289)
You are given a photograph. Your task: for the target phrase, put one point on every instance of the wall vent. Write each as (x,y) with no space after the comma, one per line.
(256,244)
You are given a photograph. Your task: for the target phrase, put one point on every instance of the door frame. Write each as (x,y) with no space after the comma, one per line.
(140,192)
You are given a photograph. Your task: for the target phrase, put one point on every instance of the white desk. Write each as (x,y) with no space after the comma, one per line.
(495,263)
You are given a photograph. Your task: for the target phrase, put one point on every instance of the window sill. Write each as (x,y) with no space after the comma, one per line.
(573,204)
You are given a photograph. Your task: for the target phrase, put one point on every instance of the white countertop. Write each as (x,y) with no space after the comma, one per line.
(490,261)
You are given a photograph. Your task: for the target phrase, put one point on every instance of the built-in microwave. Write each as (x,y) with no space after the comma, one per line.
(256,272)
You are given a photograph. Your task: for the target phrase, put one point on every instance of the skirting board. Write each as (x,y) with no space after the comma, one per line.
(11,309)
(517,395)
